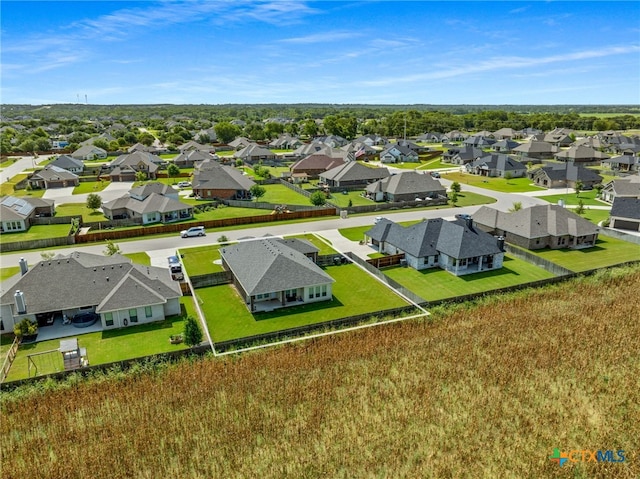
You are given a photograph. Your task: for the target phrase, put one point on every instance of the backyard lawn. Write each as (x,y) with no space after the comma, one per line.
(281,195)
(435,284)
(37,232)
(607,252)
(354,292)
(107,346)
(341,200)
(514,185)
(79,209)
(200,260)
(595,216)
(8,271)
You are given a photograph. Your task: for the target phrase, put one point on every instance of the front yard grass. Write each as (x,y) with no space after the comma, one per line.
(107,346)
(7,272)
(90,187)
(607,252)
(37,232)
(435,284)
(571,198)
(139,258)
(514,185)
(79,209)
(201,259)
(595,216)
(354,292)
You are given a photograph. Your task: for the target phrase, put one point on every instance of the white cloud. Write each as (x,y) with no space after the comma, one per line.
(324,37)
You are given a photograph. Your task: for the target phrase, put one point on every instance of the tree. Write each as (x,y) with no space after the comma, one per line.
(173,170)
(47,255)
(508,175)
(94,201)
(578,186)
(101,143)
(318,198)
(192,332)
(141,176)
(226,132)
(455,186)
(111,248)
(257,191)
(580,209)
(517,206)
(453,197)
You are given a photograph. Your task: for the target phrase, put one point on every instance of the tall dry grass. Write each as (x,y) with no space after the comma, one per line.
(482,391)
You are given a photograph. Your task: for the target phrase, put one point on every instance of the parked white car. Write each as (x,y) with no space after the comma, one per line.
(184,184)
(193,231)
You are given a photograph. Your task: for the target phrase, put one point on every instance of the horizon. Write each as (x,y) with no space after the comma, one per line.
(285,52)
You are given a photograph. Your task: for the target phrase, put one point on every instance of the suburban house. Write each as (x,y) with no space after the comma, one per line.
(371,140)
(352,174)
(189,158)
(479,141)
(507,134)
(254,153)
(454,135)
(497,165)
(195,146)
(457,246)
(125,167)
(16,214)
(564,176)
(315,164)
(361,151)
(122,293)
(621,188)
(505,146)
(581,154)
(462,155)
(430,137)
(150,203)
(240,143)
(208,135)
(406,186)
(53,177)
(628,163)
(413,146)
(212,180)
(536,150)
(334,141)
(398,154)
(625,214)
(89,152)
(540,226)
(559,137)
(68,163)
(286,142)
(272,273)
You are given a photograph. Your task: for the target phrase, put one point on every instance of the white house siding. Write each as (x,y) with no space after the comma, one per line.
(6,318)
(172,307)
(315,294)
(157,314)
(14,225)
(150,217)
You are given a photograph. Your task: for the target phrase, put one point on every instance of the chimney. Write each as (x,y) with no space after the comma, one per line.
(469,221)
(21,305)
(501,243)
(24,266)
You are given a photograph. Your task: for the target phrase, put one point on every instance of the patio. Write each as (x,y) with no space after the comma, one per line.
(60,330)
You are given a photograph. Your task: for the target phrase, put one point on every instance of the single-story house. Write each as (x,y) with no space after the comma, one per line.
(507,134)
(479,141)
(212,180)
(540,226)
(53,177)
(627,163)
(286,142)
(253,153)
(581,154)
(457,246)
(194,146)
(564,176)
(398,154)
(89,152)
(454,135)
(371,140)
(68,163)
(621,188)
(462,155)
(272,273)
(505,146)
(16,214)
(360,151)
(497,165)
(406,186)
(188,159)
(315,164)
(122,293)
(625,214)
(125,167)
(536,149)
(240,143)
(149,203)
(352,174)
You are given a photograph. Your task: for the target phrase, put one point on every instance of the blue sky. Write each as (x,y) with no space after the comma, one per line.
(279,51)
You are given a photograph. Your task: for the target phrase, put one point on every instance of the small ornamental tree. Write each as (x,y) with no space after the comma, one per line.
(455,186)
(578,186)
(517,206)
(257,191)
(111,248)
(453,197)
(580,209)
(173,170)
(192,332)
(141,176)
(318,198)
(94,201)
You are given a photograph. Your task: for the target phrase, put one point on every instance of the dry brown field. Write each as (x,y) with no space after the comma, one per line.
(481,390)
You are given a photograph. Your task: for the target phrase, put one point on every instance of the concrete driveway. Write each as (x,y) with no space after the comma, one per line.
(65,195)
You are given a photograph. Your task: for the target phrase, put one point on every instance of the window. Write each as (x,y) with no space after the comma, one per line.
(108,319)
(133,315)
(324,290)
(317,291)
(147,312)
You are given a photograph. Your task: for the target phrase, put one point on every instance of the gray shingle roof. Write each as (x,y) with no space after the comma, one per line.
(409,182)
(268,265)
(14,208)
(82,279)
(213,176)
(626,208)
(354,171)
(499,162)
(153,202)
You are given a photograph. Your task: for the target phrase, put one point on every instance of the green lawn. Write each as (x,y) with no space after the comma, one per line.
(225,212)
(79,209)
(107,346)
(435,284)
(8,187)
(90,187)
(467,198)
(8,271)
(514,185)
(37,232)
(571,198)
(342,200)
(354,292)
(281,195)
(434,164)
(607,252)
(200,260)
(595,216)
(139,258)
(317,242)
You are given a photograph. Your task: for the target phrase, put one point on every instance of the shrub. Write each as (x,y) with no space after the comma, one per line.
(25,327)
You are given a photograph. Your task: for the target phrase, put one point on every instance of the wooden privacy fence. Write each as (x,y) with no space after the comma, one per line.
(8,360)
(384,261)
